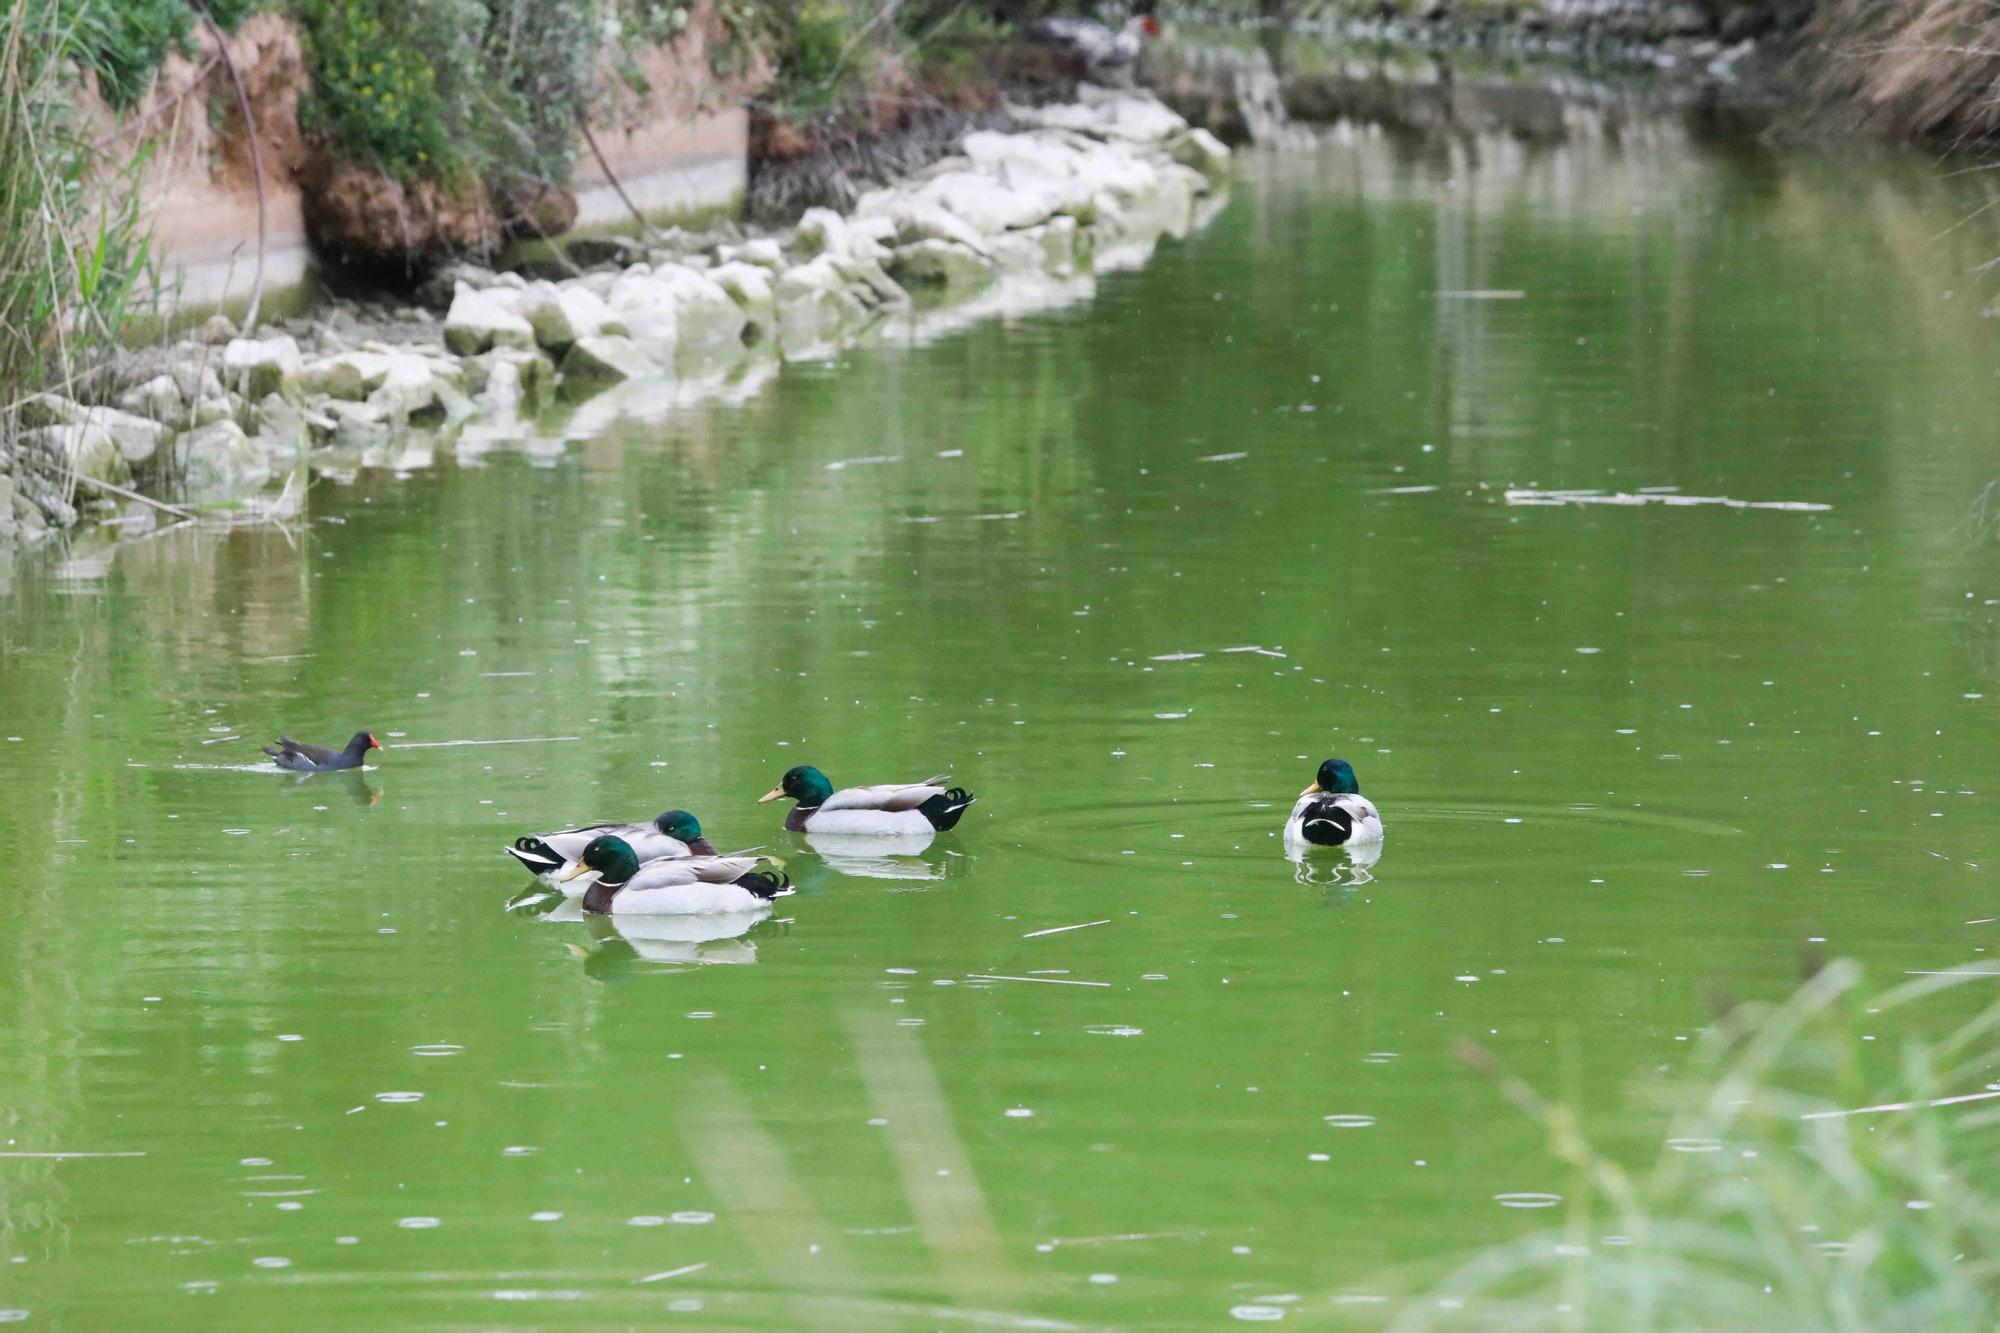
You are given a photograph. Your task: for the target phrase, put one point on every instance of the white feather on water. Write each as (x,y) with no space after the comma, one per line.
(511,740)
(1058,930)
(1654,495)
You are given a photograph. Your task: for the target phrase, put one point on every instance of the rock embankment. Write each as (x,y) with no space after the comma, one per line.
(213,421)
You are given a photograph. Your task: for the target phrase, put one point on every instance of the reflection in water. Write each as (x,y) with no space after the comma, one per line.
(1347,867)
(352,783)
(675,942)
(1576,709)
(873,856)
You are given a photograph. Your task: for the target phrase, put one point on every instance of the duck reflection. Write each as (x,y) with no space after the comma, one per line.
(623,943)
(906,856)
(1347,867)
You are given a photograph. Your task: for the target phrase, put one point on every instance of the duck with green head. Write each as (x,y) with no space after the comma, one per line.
(692,886)
(1332,812)
(888,808)
(674,835)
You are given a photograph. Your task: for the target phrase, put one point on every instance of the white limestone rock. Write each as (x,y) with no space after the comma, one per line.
(560,313)
(751,287)
(254,367)
(480,319)
(606,358)
(219,459)
(940,264)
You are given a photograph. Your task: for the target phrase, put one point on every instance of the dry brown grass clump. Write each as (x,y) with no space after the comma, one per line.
(1926,69)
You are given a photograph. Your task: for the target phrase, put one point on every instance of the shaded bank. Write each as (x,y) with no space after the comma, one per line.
(1909,69)
(1011,222)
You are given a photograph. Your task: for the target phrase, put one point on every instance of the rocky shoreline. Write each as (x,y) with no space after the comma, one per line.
(234,426)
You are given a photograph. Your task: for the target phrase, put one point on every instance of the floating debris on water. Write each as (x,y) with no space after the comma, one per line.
(512,740)
(1057,930)
(1526,496)
(1902,1106)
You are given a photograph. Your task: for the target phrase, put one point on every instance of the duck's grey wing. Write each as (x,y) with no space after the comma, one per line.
(721,869)
(891,796)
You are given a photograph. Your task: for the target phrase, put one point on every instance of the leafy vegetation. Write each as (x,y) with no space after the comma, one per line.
(124,41)
(375,91)
(72,251)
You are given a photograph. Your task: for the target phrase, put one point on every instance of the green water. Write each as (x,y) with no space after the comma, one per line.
(1626,755)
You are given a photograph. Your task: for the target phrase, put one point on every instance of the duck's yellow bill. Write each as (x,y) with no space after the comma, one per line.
(775,794)
(578,869)
(1312,790)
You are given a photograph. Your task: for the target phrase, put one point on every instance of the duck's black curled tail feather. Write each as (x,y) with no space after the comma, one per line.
(1327,824)
(766,884)
(944,809)
(536,855)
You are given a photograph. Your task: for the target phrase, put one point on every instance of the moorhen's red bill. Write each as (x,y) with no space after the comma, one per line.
(288,753)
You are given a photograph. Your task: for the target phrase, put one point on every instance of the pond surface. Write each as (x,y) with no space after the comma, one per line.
(1128,571)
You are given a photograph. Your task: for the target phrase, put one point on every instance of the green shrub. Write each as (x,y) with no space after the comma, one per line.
(124,41)
(374,89)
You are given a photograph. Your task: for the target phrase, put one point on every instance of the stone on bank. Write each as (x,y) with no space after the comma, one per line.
(1073,190)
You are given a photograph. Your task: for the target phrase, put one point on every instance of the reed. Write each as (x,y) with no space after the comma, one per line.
(74,250)
(1927,69)
(1802,1184)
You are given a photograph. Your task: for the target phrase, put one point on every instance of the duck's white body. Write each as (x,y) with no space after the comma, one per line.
(870,823)
(1365,821)
(700,886)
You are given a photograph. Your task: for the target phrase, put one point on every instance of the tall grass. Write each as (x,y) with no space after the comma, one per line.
(1914,68)
(74,252)
(1811,1178)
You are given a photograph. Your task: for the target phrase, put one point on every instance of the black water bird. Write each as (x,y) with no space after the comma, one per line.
(302,758)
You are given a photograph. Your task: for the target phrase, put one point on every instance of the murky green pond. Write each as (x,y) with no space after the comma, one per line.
(1129,570)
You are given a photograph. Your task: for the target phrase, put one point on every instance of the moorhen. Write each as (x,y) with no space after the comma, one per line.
(288,753)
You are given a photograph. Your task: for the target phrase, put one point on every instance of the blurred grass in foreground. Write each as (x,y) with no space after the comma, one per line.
(1800,1185)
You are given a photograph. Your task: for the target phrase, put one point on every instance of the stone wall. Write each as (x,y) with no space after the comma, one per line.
(678,151)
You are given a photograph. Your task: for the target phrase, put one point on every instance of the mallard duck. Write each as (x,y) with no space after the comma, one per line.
(1332,812)
(302,758)
(892,807)
(675,835)
(694,887)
